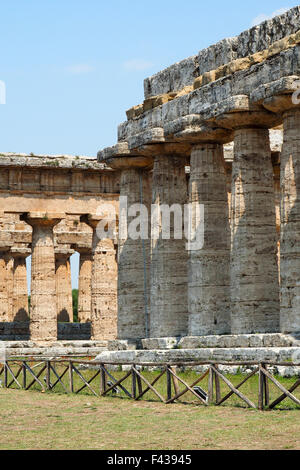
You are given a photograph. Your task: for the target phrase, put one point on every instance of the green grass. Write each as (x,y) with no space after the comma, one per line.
(34,420)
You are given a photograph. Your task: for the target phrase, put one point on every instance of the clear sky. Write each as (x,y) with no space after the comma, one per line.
(72,67)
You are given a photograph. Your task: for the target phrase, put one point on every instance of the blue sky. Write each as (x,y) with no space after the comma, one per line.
(72,68)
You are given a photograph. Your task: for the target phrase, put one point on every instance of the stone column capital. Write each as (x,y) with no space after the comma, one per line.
(83,249)
(281,104)
(119,157)
(45,219)
(193,130)
(18,252)
(4,247)
(256,118)
(63,253)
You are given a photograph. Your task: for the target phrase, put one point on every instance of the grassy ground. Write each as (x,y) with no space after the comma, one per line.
(32,420)
(35,420)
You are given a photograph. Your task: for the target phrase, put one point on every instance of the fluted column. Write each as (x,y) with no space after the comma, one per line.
(168,281)
(209,265)
(133,248)
(43,311)
(104,285)
(64,299)
(254,270)
(290,223)
(84,287)
(4,308)
(133,261)
(20,292)
(10,284)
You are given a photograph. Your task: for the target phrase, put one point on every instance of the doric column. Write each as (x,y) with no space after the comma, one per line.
(84,287)
(104,285)
(254,270)
(133,251)
(133,260)
(43,309)
(64,300)
(209,264)
(4,307)
(168,280)
(290,223)
(20,291)
(10,284)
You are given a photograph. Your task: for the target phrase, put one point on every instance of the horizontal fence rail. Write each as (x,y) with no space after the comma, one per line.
(70,376)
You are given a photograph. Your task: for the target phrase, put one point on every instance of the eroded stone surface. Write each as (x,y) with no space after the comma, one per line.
(168,285)
(254,271)
(209,265)
(290,223)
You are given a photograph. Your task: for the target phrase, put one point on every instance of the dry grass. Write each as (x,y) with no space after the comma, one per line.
(32,420)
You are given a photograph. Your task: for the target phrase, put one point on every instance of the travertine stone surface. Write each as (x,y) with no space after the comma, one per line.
(104,286)
(194,355)
(64,301)
(254,272)
(209,267)
(290,223)
(10,284)
(43,311)
(84,285)
(134,259)
(168,284)
(20,292)
(3,288)
(256,39)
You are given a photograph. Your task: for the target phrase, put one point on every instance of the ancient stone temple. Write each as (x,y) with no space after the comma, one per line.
(208,132)
(218,131)
(47,208)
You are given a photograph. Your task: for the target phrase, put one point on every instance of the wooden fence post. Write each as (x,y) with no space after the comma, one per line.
(133,378)
(266,388)
(103,381)
(24,376)
(169,384)
(261,388)
(217,385)
(48,371)
(71,377)
(5,374)
(211,386)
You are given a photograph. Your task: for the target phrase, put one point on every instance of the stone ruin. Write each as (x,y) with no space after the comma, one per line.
(222,129)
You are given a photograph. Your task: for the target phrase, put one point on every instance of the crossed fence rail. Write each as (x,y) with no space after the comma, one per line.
(21,373)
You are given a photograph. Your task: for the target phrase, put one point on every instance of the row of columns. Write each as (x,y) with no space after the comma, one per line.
(51,290)
(13,284)
(231,284)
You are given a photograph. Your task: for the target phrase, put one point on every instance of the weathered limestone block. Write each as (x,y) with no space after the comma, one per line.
(64,300)
(254,271)
(43,310)
(84,285)
(104,285)
(209,265)
(134,258)
(20,292)
(290,223)
(252,41)
(195,355)
(209,101)
(4,307)
(10,284)
(169,316)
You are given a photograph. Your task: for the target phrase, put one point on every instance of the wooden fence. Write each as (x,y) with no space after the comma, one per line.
(47,375)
